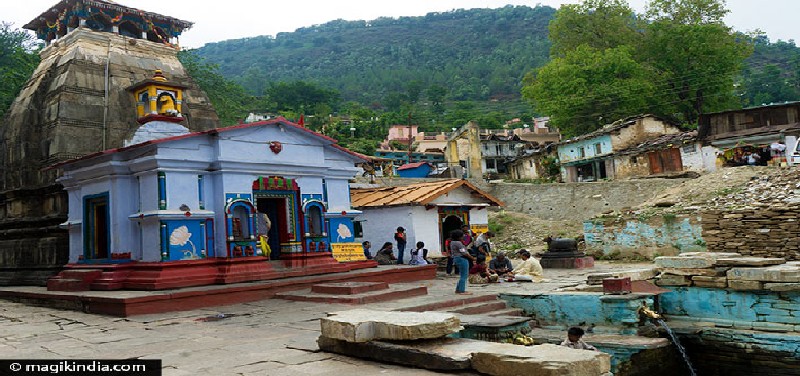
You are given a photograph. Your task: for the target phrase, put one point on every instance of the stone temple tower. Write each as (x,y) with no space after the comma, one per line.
(78,102)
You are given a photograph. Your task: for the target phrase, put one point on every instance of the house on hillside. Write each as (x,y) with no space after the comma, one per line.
(428,211)
(590,157)
(769,131)
(530,162)
(674,152)
(496,150)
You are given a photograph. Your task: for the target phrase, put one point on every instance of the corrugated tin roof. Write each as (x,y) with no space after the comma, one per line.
(414,194)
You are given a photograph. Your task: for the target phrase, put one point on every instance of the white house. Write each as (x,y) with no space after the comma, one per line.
(428,212)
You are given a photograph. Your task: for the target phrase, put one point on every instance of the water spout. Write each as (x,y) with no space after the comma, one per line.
(647,312)
(678,345)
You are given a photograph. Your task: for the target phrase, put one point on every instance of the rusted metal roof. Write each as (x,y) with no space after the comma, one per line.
(414,194)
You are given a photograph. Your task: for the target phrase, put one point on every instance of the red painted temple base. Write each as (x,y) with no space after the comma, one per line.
(177,274)
(171,300)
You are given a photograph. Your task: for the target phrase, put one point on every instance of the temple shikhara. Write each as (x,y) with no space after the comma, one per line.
(116,171)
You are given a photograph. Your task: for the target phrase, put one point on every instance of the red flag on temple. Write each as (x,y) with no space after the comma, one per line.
(302,121)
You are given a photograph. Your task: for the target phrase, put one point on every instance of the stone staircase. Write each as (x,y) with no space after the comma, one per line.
(484,317)
(353,293)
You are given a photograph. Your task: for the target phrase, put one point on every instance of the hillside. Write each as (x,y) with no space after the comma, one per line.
(475,54)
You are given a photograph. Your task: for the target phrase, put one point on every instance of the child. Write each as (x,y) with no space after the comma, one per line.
(366,246)
(418,255)
(400,237)
(574,340)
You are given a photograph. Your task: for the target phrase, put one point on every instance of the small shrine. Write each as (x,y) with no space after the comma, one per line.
(158,99)
(107,16)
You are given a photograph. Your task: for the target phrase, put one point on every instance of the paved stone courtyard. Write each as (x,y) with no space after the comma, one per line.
(269,337)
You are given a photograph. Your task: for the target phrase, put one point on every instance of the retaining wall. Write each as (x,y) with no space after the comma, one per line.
(764,232)
(666,235)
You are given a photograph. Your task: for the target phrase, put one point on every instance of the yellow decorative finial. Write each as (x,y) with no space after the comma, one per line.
(159,76)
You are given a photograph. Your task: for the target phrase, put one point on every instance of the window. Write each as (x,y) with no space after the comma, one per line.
(598,149)
(315,224)
(633,160)
(582,152)
(530,163)
(241,219)
(491,164)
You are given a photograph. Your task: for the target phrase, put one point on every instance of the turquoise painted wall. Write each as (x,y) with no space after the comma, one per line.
(748,310)
(610,313)
(572,151)
(681,234)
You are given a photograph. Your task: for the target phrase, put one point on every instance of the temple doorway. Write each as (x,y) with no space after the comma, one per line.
(96,237)
(450,223)
(274,209)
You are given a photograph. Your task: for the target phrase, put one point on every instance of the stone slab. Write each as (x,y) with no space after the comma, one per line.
(750,261)
(682,262)
(639,274)
(567,262)
(777,273)
(501,359)
(348,288)
(741,285)
(597,279)
(782,286)
(708,272)
(362,325)
(673,280)
(445,354)
(712,282)
(711,255)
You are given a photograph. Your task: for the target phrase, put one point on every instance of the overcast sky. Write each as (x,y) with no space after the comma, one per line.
(234,19)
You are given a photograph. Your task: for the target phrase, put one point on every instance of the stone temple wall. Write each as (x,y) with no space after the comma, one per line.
(764,232)
(64,111)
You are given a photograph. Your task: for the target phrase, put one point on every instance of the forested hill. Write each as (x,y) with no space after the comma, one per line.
(475,54)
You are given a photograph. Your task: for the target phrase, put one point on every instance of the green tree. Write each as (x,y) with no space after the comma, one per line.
(300,96)
(436,95)
(600,24)
(698,57)
(589,88)
(18,59)
(230,100)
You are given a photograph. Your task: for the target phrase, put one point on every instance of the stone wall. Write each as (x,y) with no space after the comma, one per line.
(727,352)
(568,201)
(629,237)
(764,232)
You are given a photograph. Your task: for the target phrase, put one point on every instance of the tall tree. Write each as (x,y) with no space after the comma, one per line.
(599,24)
(589,88)
(698,56)
(18,58)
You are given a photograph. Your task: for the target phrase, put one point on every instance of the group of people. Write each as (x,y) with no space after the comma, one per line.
(470,262)
(385,255)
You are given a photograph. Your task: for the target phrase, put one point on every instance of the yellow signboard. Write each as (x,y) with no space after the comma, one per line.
(479,228)
(344,252)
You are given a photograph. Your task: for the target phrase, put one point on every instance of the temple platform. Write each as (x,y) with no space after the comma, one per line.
(124,303)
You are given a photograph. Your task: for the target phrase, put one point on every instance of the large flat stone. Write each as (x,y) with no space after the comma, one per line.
(674,280)
(502,359)
(708,272)
(681,262)
(712,282)
(741,285)
(639,274)
(444,354)
(750,261)
(362,325)
(711,255)
(780,287)
(778,273)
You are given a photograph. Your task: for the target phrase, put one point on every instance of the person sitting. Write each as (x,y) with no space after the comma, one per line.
(385,255)
(418,255)
(574,340)
(500,265)
(481,246)
(479,274)
(528,270)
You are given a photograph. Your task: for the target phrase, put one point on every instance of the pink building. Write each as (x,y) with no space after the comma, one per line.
(400,132)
